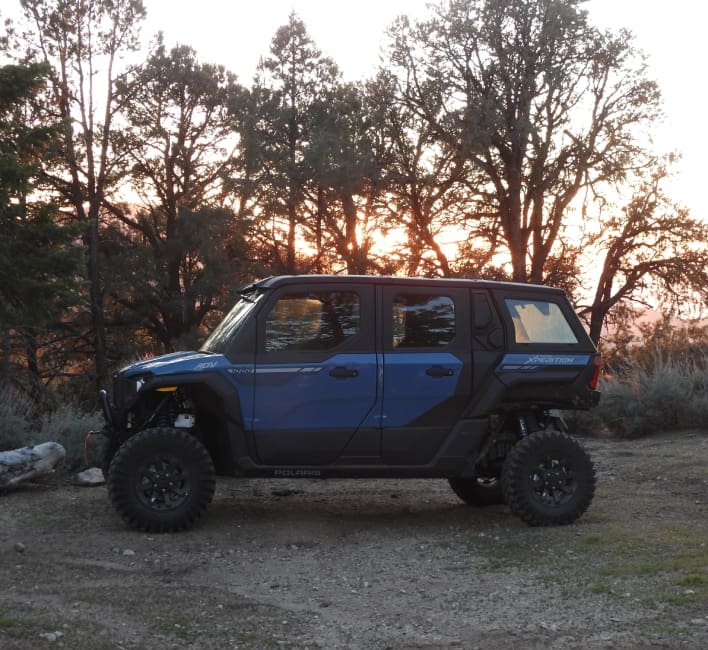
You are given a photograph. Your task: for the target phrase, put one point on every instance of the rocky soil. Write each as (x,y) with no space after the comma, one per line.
(368,564)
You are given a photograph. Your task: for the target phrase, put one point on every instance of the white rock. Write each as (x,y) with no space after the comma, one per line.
(90,476)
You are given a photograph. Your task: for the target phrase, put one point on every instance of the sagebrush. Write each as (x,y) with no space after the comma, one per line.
(22,425)
(645,398)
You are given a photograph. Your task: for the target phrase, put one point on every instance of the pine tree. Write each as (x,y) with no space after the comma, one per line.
(39,258)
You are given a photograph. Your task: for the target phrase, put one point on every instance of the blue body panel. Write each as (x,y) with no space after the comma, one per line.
(540,362)
(409,392)
(304,396)
(177,363)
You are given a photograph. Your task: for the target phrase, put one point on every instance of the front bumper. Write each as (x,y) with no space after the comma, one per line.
(106,408)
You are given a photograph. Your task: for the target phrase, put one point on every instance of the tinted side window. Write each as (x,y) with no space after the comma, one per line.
(536,321)
(312,321)
(422,321)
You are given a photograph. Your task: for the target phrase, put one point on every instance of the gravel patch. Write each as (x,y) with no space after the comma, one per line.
(369,564)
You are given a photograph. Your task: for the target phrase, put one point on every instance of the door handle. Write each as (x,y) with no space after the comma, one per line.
(439,371)
(340,372)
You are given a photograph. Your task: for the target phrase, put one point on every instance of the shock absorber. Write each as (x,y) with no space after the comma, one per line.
(167,413)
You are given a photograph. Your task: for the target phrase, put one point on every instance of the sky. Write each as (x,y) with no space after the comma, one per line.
(237,33)
(670,32)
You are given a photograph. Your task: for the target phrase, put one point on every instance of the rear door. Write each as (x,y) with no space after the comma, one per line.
(315,373)
(427,369)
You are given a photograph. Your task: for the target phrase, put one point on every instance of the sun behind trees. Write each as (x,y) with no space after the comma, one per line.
(513,128)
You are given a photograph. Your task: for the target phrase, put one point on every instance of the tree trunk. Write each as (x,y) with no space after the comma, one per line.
(96,304)
(597,320)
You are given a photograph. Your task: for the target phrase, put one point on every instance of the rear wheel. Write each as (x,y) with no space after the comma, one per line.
(548,479)
(478,491)
(161,480)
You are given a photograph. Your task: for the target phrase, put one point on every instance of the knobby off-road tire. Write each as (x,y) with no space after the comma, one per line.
(548,479)
(479,491)
(161,480)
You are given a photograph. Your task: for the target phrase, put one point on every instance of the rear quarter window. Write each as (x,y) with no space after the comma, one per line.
(539,321)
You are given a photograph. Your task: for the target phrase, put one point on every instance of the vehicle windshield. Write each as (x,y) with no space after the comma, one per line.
(220,338)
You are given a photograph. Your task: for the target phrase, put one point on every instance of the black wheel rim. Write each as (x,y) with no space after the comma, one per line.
(553,482)
(163,483)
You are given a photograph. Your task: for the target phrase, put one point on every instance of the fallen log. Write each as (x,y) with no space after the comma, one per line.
(29,462)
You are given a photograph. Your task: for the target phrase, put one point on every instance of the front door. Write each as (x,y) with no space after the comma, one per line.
(316,376)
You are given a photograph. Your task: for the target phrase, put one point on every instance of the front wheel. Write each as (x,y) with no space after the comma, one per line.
(548,479)
(161,480)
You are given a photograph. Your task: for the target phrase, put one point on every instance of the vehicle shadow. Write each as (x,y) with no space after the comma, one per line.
(346,504)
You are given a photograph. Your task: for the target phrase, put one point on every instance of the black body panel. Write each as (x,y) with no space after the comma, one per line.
(415,405)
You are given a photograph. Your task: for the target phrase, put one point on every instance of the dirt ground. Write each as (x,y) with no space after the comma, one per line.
(368,564)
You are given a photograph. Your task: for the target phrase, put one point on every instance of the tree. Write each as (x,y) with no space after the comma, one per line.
(312,162)
(539,104)
(182,242)
(425,189)
(79,40)
(39,260)
(651,246)
(652,343)
(344,159)
(276,132)
(147,313)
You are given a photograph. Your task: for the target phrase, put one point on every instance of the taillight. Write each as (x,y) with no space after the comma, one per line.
(592,384)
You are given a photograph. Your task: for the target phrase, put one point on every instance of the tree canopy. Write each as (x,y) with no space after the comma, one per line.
(499,139)
(535,103)
(38,258)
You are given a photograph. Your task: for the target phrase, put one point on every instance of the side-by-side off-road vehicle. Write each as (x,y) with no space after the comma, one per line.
(362,377)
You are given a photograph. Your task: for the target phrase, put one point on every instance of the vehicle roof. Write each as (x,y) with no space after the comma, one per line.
(279,280)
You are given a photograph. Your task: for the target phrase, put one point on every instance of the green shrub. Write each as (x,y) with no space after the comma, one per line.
(68,426)
(22,426)
(646,398)
(17,415)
